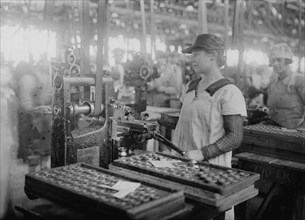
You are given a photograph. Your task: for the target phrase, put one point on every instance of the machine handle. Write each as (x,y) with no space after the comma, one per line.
(165,141)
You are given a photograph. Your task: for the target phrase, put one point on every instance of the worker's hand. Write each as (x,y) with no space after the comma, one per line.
(194,155)
(150,116)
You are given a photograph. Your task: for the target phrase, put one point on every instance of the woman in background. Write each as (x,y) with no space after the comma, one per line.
(286,91)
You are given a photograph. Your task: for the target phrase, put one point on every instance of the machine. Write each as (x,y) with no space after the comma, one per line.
(98,130)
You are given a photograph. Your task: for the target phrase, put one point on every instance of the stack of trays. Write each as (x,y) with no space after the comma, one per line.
(274,141)
(91,189)
(216,186)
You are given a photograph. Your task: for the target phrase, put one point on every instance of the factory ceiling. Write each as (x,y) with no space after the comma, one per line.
(263,22)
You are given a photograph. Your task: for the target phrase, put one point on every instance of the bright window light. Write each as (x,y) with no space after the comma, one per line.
(19,44)
(302,65)
(255,57)
(232,57)
(295,64)
(160,45)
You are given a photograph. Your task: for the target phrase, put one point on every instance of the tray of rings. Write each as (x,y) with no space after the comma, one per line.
(213,185)
(103,191)
(274,130)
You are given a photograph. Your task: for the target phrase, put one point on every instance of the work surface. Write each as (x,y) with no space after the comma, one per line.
(275,142)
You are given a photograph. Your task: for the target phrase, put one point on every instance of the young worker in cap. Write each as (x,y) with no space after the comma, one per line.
(286,92)
(210,125)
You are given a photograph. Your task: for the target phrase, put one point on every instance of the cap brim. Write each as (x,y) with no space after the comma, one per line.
(190,49)
(187,50)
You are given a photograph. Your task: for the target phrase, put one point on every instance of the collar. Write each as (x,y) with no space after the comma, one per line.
(287,79)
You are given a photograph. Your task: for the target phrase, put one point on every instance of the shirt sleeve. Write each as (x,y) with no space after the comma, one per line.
(233,101)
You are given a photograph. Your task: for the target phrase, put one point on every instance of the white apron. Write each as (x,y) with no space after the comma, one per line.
(201,122)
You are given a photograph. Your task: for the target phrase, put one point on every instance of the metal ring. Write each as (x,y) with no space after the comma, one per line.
(71,59)
(74,68)
(145,72)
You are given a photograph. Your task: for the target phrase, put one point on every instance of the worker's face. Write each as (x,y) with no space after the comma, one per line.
(278,65)
(118,58)
(201,61)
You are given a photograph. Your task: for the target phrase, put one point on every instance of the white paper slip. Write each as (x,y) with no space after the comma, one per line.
(288,130)
(167,164)
(162,163)
(156,163)
(124,188)
(121,194)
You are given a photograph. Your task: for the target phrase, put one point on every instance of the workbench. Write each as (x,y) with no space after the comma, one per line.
(274,141)
(278,155)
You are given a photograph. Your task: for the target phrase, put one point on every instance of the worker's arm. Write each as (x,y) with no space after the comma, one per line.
(233,126)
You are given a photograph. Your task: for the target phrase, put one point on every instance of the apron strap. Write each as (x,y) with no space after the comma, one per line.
(218,85)
(214,87)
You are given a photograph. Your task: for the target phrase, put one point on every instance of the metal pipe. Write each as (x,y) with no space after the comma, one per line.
(75,109)
(143,46)
(202,17)
(152,30)
(80,81)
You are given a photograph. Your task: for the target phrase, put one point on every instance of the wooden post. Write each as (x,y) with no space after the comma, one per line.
(85,39)
(226,24)
(102,47)
(48,12)
(143,44)
(237,37)
(202,16)
(105,30)
(152,29)
(235,27)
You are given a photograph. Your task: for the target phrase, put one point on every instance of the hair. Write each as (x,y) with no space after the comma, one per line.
(287,62)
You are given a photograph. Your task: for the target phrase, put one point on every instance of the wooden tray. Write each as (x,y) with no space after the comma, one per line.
(216,201)
(82,186)
(218,179)
(274,141)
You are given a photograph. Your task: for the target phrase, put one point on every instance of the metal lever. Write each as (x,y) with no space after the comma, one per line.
(165,141)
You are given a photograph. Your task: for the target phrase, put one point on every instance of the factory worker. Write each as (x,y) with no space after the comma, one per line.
(286,91)
(210,125)
(118,69)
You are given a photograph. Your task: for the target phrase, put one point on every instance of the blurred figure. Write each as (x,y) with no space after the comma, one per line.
(34,96)
(169,85)
(117,72)
(286,92)
(7,141)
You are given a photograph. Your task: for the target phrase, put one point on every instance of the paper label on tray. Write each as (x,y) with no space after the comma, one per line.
(162,163)
(124,188)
